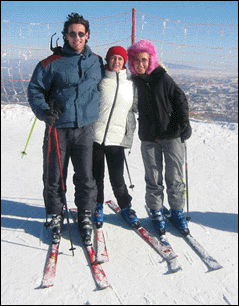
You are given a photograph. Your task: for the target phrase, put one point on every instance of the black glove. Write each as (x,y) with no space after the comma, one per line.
(50,117)
(186,131)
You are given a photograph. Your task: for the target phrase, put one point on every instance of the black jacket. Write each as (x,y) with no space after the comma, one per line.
(162,106)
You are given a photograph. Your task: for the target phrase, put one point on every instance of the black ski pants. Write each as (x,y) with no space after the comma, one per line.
(75,144)
(115,161)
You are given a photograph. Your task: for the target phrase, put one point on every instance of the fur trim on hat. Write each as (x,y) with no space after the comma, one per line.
(143,46)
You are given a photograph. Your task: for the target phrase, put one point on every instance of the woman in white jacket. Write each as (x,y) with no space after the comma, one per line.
(113,132)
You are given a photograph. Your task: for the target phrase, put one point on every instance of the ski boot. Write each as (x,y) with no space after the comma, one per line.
(130,216)
(99,215)
(56,228)
(179,219)
(158,219)
(85,226)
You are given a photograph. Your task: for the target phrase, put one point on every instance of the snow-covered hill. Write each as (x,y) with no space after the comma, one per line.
(136,272)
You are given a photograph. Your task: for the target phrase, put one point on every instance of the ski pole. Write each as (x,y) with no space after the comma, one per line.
(63,186)
(24,151)
(131,185)
(49,143)
(47,170)
(186,171)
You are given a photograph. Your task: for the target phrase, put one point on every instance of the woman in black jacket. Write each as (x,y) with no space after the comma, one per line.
(163,127)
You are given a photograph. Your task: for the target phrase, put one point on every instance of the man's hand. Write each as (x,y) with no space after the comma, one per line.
(50,117)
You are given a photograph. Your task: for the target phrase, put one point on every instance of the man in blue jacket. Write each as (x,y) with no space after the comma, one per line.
(69,78)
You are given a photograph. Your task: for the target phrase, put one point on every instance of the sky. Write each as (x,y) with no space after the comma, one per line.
(213,12)
(32,23)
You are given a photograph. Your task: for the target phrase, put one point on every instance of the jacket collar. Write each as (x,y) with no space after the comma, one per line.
(155,74)
(85,53)
(112,74)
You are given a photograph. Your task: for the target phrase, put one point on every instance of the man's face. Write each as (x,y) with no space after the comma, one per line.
(73,36)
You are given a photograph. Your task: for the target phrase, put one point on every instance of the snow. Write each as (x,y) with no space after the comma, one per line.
(138,275)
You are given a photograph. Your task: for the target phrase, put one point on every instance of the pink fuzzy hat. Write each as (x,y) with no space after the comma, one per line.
(143,46)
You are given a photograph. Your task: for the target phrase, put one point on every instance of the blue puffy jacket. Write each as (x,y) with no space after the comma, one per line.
(71,80)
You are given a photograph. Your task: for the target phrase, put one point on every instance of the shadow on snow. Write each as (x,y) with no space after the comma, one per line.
(21,216)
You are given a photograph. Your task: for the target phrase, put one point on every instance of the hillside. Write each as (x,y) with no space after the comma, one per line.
(136,272)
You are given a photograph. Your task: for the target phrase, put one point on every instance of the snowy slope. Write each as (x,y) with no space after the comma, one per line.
(136,272)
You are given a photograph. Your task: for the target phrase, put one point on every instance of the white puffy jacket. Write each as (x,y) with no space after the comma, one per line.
(116,123)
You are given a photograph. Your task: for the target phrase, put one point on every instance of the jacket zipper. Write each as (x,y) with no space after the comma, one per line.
(112,108)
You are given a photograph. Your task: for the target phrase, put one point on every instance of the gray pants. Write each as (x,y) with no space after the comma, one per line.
(152,154)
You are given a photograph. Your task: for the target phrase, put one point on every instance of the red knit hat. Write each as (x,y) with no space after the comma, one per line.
(117,50)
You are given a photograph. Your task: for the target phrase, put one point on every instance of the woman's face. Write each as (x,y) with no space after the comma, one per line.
(141,62)
(116,63)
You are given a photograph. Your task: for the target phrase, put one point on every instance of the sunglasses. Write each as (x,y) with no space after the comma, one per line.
(74,34)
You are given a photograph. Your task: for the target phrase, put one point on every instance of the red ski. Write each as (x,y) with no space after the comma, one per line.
(99,274)
(50,271)
(101,251)
(162,248)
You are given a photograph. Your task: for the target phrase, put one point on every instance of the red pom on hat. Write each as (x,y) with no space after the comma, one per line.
(117,50)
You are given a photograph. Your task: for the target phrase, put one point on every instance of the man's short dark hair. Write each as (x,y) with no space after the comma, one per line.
(75,18)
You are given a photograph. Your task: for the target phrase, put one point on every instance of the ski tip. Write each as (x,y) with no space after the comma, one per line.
(172,271)
(102,287)
(215,268)
(174,268)
(45,285)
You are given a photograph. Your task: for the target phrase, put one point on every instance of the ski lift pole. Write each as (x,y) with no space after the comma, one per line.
(24,151)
